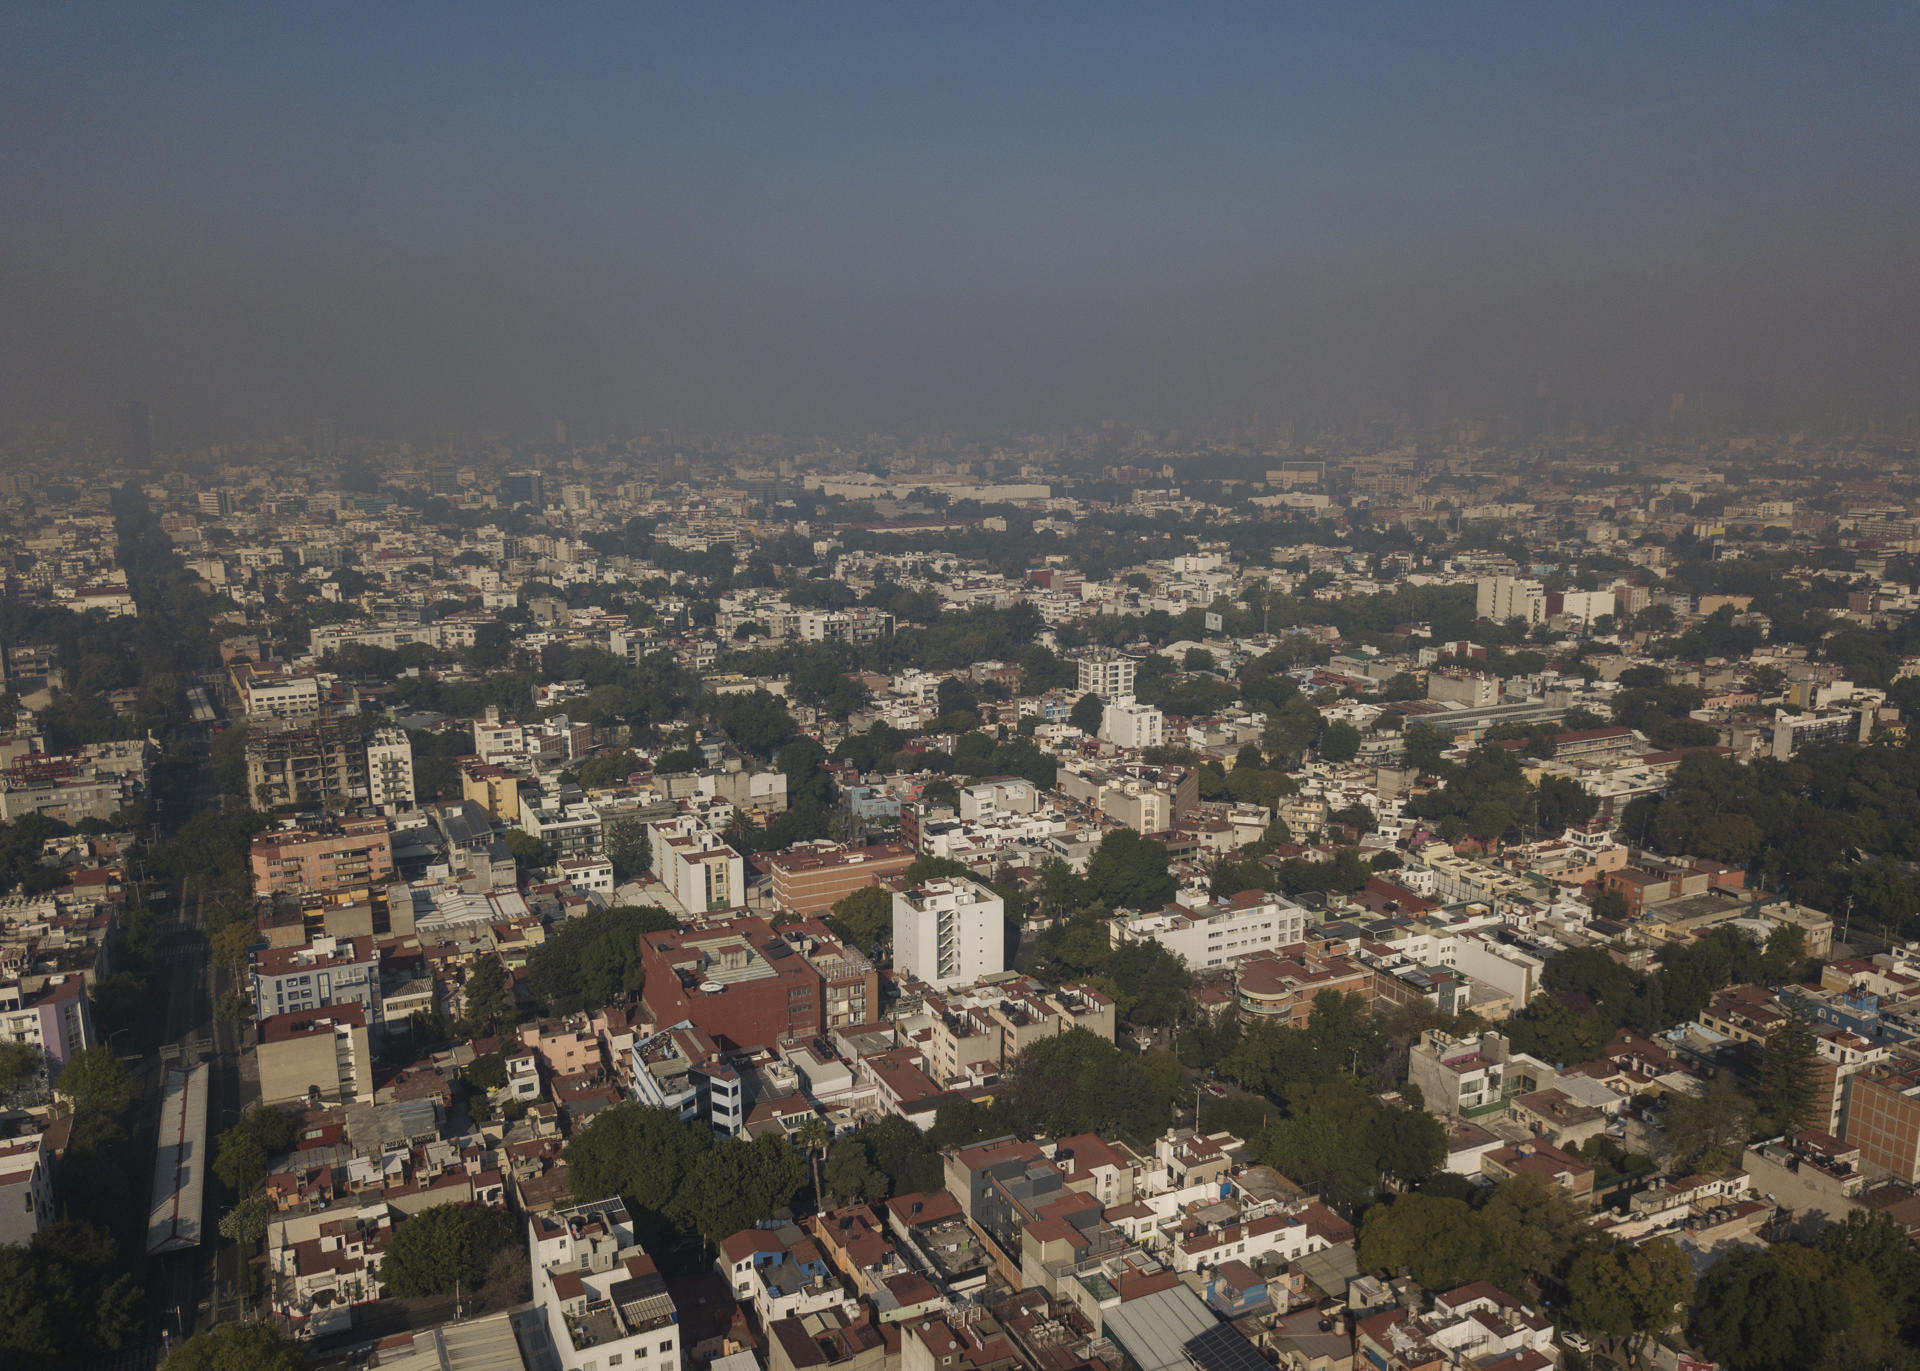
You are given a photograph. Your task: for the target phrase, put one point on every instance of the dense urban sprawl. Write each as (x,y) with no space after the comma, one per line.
(1049,905)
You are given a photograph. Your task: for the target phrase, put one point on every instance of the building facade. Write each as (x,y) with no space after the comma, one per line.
(949,932)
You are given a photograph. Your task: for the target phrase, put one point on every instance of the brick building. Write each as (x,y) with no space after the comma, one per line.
(814,878)
(299,861)
(744,985)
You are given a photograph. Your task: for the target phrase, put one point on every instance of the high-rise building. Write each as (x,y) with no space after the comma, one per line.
(1131,724)
(308,766)
(524,488)
(1501,598)
(132,435)
(215,504)
(949,932)
(1108,675)
(390,771)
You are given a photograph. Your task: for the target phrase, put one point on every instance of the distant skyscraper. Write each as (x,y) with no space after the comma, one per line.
(132,435)
(524,488)
(560,432)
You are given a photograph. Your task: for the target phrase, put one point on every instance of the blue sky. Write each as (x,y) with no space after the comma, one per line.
(429,217)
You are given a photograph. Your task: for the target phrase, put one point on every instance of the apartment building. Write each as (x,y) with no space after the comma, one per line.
(572,829)
(1881,1117)
(303,861)
(1501,598)
(56,1018)
(323,1051)
(606,1306)
(949,932)
(1109,675)
(698,870)
(328,971)
(1214,933)
(26,1188)
(735,980)
(308,766)
(390,771)
(494,788)
(1132,725)
(813,877)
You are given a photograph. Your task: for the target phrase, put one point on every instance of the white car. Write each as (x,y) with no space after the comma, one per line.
(1576,1341)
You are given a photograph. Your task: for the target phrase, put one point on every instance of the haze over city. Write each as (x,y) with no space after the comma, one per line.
(447,220)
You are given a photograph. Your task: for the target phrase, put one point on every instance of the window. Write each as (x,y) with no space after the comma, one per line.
(667,1346)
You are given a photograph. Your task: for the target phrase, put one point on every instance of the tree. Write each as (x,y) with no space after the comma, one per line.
(645,1156)
(246,1223)
(864,917)
(237,1347)
(812,1138)
(1786,950)
(935,869)
(1423,747)
(1874,1242)
(97,1082)
(230,944)
(443,1245)
(1436,1241)
(1531,1228)
(63,1296)
(1628,1294)
(627,847)
(851,1176)
(755,722)
(1609,904)
(240,1162)
(1706,1130)
(1087,712)
(1153,984)
(803,763)
(486,1073)
(1128,869)
(487,998)
(1786,1307)
(593,961)
(1789,1083)
(19,1064)
(1340,742)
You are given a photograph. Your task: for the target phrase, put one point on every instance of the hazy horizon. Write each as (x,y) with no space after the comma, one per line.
(984,217)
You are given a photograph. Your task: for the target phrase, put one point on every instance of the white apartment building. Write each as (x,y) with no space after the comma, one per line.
(282,697)
(1215,933)
(949,932)
(390,771)
(988,800)
(1131,724)
(26,1188)
(494,741)
(606,1306)
(1501,598)
(1108,675)
(698,870)
(571,830)
(1586,605)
